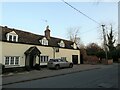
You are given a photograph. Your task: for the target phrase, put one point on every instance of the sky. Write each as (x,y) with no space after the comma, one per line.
(32,16)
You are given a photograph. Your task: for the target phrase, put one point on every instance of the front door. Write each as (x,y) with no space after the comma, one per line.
(31,61)
(75,59)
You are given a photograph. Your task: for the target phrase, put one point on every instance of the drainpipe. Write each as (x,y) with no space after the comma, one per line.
(54,52)
(39,59)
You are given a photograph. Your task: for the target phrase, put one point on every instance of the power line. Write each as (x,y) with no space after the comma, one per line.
(89,30)
(81,12)
(104,35)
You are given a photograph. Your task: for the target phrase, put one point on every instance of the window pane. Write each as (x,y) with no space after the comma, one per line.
(63,58)
(14,38)
(10,37)
(45,58)
(42,58)
(12,60)
(46,42)
(16,60)
(6,60)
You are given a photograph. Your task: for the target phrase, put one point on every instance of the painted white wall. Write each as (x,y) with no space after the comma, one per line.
(14,49)
(68,54)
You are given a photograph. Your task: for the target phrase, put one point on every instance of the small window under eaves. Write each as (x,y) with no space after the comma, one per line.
(44,41)
(12,36)
(61,44)
(74,46)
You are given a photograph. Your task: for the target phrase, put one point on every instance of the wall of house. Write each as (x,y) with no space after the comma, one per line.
(11,49)
(45,51)
(14,49)
(68,54)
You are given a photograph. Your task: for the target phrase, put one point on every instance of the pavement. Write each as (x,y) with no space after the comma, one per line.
(45,73)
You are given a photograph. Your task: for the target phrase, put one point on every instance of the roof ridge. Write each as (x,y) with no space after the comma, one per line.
(26,37)
(34,33)
(14,29)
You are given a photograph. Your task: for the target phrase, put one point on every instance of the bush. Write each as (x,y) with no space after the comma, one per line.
(101,54)
(92,59)
(114,54)
(2,68)
(118,53)
(37,66)
(27,68)
(110,55)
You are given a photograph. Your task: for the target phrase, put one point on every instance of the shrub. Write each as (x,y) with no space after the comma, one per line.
(27,68)
(37,66)
(101,54)
(2,68)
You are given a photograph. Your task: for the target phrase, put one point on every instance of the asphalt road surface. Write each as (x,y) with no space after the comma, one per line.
(106,77)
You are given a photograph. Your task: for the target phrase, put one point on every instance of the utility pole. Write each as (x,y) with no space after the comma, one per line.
(104,37)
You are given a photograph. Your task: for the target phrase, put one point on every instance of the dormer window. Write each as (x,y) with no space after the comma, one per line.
(61,44)
(74,46)
(12,36)
(44,41)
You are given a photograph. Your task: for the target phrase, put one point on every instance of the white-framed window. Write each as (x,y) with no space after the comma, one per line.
(16,60)
(12,60)
(44,58)
(12,36)
(44,41)
(63,58)
(7,60)
(61,44)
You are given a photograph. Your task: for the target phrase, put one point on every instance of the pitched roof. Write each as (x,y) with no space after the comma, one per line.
(33,50)
(30,38)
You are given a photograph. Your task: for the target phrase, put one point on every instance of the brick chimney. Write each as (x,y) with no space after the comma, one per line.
(47,32)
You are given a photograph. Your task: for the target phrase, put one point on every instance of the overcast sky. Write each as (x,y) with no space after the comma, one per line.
(31,16)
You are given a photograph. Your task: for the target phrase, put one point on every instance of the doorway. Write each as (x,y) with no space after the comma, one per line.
(31,54)
(75,59)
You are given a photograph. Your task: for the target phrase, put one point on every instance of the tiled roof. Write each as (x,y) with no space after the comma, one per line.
(30,38)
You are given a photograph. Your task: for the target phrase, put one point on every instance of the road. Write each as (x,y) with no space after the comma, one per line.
(106,77)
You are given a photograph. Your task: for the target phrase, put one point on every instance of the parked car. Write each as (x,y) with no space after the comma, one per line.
(59,63)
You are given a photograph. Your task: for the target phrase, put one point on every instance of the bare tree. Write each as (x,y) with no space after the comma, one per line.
(73,35)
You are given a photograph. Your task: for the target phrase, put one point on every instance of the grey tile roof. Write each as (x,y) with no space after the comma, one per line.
(30,38)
